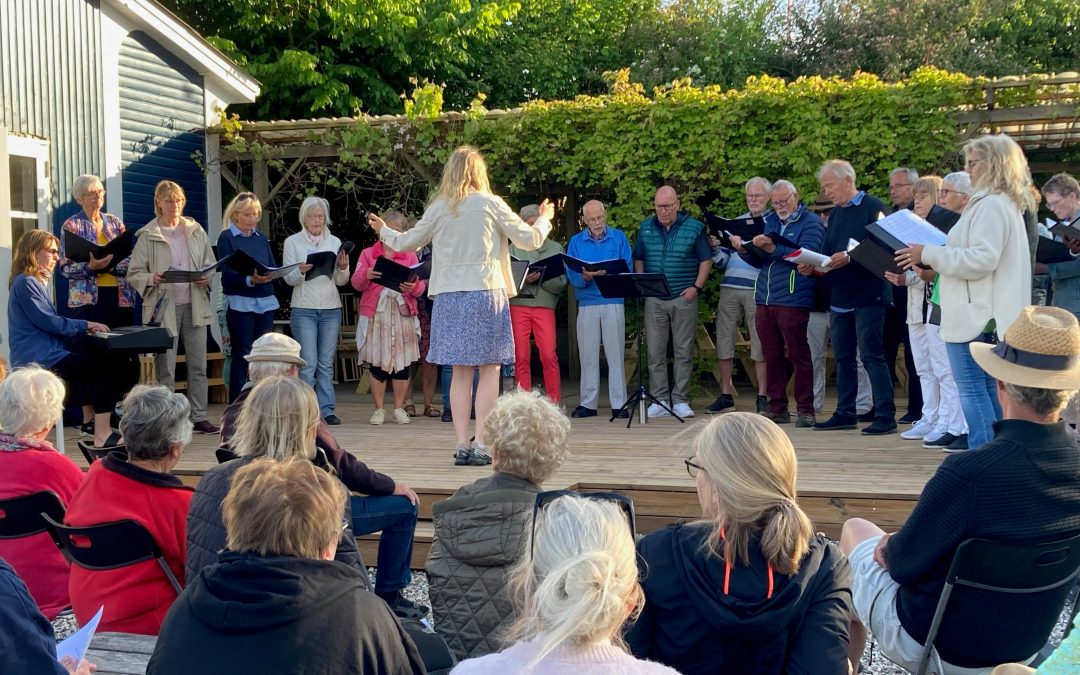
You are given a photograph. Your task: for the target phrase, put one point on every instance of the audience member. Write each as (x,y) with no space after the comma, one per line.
(676,245)
(172,240)
(532,313)
(468,228)
(137,487)
(279,420)
(984,273)
(467,570)
(250,299)
(388,334)
(784,299)
(857,301)
(902,182)
(599,319)
(29,645)
(572,594)
(941,421)
(315,309)
(277,601)
(389,506)
(31,403)
(1022,486)
(750,588)
(736,305)
(1062,194)
(1062,661)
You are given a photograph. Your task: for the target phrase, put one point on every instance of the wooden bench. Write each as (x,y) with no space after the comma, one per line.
(215,375)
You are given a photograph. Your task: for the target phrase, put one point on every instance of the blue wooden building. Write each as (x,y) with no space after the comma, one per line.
(118,88)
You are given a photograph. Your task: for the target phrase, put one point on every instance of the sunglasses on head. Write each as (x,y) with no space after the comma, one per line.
(544,498)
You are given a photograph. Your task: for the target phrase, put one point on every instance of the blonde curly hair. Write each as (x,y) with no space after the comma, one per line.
(528,435)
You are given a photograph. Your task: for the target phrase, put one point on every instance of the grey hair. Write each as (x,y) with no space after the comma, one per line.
(837,167)
(82,185)
(758,180)
(528,434)
(911,174)
(31,399)
(155,420)
(960,181)
(314,203)
(529,211)
(258,370)
(786,184)
(1042,401)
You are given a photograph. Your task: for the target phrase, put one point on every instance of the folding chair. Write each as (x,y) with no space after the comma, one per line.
(93,454)
(21,516)
(1037,576)
(108,546)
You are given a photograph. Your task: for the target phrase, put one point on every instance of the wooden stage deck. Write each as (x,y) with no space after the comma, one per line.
(841,474)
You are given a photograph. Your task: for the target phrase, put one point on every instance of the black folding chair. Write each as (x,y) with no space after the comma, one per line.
(93,454)
(225,454)
(21,516)
(109,546)
(1037,576)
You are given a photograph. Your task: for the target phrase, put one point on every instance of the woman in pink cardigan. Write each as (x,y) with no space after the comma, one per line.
(388,332)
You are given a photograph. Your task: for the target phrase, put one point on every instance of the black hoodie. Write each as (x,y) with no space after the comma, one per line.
(250,614)
(690,624)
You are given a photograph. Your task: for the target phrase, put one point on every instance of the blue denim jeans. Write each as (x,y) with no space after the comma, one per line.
(317,332)
(855,333)
(395,517)
(978,392)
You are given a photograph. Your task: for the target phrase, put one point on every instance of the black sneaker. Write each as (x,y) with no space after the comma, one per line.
(582,411)
(407,609)
(945,440)
(910,418)
(959,445)
(836,423)
(621,414)
(333,420)
(471,457)
(762,403)
(868,416)
(446,416)
(86,428)
(723,402)
(880,428)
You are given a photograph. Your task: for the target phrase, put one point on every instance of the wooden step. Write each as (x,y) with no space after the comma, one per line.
(425,532)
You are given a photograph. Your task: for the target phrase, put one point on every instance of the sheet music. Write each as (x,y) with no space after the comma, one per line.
(76,645)
(911,229)
(807,257)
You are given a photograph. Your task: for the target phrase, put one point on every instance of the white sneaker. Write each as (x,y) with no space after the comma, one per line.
(683,410)
(918,431)
(378,417)
(933,436)
(400,416)
(657,410)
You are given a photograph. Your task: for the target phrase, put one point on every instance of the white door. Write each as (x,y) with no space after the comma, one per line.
(25,202)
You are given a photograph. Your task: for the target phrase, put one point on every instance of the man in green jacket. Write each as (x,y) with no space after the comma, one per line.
(532,313)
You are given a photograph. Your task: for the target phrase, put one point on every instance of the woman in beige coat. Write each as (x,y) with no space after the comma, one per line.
(172,241)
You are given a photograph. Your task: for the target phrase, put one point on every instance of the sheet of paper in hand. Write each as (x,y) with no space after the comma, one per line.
(903,228)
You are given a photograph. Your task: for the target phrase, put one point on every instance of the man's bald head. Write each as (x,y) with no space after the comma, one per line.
(666,203)
(594,215)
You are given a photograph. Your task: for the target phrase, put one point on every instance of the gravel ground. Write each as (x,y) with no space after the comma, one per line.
(874,662)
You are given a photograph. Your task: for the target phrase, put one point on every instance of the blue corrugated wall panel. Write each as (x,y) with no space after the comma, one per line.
(161,126)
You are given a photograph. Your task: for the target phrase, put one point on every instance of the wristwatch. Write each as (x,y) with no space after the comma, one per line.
(698,288)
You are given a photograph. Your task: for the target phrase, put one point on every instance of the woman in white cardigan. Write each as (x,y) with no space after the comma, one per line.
(316,305)
(985,272)
(470,283)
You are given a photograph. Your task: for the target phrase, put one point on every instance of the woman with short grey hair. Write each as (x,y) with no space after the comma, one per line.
(155,423)
(316,303)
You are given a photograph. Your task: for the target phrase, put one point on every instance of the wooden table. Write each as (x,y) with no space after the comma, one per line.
(121,653)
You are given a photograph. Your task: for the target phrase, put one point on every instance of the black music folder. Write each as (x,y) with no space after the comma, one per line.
(634,285)
(323,262)
(549,267)
(519,269)
(78,249)
(1060,229)
(613,266)
(744,228)
(394,274)
(1050,251)
(875,257)
(243,263)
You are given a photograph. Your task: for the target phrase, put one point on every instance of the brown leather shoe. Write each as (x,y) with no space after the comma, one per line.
(205,427)
(779,418)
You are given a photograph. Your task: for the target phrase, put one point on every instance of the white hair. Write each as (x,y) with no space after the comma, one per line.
(786,184)
(529,211)
(579,580)
(155,421)
(31,399)
(82,185)
(758,180)
(959,181)
(258,370)
(911,174)
(837,167)
(315,203)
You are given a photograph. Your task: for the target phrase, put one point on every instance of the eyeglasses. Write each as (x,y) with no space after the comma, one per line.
(756,195)
(544,498)
(1054,204)
(896,186)
(94,193)
(667,207)
(692,467)
(782,202)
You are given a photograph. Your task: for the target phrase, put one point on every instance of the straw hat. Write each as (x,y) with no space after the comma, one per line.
(1041,349)
(277,348)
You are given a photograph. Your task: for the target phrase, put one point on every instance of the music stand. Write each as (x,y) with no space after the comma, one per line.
(637,285)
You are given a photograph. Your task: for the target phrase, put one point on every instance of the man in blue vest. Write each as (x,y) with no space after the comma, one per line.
(673,243)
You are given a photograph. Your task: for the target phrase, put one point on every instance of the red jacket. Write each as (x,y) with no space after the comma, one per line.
(136,597)
(27,467)
(370,290)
